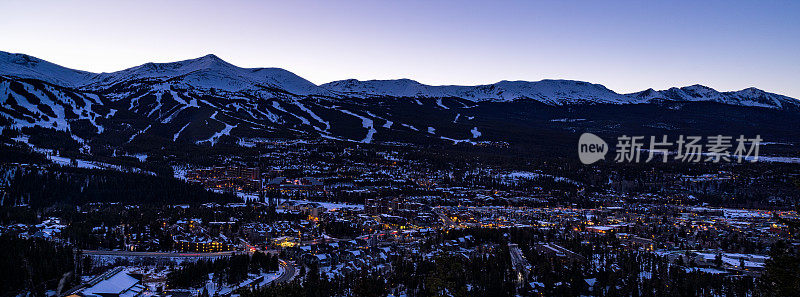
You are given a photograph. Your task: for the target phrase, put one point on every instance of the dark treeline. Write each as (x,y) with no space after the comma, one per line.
(484,275)
(782,274)
(62,144)
(19,153)
(43,187)
(622,272)
(34,264)
(365,283)
(444,275)
(228,270)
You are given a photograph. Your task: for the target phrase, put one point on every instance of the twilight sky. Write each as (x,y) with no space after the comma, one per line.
(625,45)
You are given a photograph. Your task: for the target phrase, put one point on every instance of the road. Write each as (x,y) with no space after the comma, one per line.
(289,271)
(155,254)
(518,261)
(445,219)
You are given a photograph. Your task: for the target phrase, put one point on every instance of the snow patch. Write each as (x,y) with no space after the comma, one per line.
(475,132)
(366,123)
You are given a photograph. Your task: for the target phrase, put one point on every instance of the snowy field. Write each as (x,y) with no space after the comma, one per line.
(327,205)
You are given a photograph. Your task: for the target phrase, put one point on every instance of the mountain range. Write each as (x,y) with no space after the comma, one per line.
(207,100)
(211,72)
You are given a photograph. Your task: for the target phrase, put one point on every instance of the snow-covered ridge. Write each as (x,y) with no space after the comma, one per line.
(554,92)
(24,66)
(211,72)
(746,97)
(207,72)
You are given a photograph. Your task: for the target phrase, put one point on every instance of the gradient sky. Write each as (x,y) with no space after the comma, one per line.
(625,45)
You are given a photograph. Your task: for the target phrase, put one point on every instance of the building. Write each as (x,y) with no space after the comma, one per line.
(558,252)
(286,242)
(319,260)
(307,208)
(295,185)
(203,245)
(227,177)
(114,283)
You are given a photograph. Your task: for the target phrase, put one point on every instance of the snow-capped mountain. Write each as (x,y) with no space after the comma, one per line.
(554,92)
(206,101)
(746,97)
(24,66)
(211,72)
(207,72)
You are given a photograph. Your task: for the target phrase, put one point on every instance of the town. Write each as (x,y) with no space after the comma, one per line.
(351,221)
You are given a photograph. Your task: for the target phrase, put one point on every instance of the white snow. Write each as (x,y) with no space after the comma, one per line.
(211,72)
(158,104)
(277,106)
(386,125)
(59,104)
(269,115)
(21,65)
(523,175)
(116,284)
(555,92)
(439,103)
(410,127)
(172,115)
(138,133)
(312,114)
(175,137)
(746,97)
(67,162)
(366,123)
(214,138)
(457,141)
(475,132)
(94,164)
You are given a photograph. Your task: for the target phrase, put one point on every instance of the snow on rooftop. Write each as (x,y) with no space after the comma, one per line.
(118,283)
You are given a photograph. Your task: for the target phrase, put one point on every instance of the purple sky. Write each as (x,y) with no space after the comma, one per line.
(625,45)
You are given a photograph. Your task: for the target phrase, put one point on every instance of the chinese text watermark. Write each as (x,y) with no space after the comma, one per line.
(690,149)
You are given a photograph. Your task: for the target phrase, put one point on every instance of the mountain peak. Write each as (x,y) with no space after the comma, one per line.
(207,61)
(648,94)
(210,56)
(746,97)
(753,90)
(212,59)
(699,86)
(211,72)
